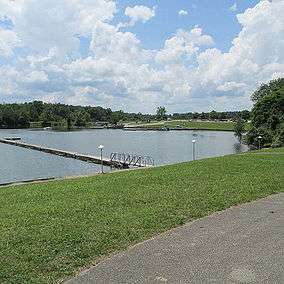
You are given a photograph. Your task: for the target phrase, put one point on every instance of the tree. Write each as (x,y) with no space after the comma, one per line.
(265,89)
(267,115)
(116,117)
(161,113)
(35,109)
(239,129)
(213,115)
(82,118)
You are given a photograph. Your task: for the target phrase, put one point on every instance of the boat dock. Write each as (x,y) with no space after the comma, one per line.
(67,154)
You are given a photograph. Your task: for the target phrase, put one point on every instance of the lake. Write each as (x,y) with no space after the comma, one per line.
(17,164)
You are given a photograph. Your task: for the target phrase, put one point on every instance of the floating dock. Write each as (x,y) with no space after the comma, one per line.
(13,138)
(67,154)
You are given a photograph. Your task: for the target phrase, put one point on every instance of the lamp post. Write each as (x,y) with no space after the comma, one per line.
(101,147)
(259,142)
(193,149)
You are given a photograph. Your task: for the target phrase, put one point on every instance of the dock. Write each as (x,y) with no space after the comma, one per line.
(67,154)
(13,138)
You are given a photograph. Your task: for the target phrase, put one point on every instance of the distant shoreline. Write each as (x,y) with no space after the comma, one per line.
(123,128)
(173,129)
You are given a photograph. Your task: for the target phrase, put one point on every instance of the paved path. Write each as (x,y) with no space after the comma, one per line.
(243,244)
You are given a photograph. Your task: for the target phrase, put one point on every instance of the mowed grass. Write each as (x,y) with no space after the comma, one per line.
(202,125)
(48,231)
(198,125)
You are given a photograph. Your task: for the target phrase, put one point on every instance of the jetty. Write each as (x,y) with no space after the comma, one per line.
(13,138)
(115,160)
(63,153)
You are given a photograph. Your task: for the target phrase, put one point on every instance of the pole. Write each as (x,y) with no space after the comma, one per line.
(102,165)
(259,142)
(193,149)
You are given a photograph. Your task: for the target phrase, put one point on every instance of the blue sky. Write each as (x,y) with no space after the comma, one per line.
(134,55)
(214,16)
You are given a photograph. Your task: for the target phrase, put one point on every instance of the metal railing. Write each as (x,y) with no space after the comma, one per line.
(126,159)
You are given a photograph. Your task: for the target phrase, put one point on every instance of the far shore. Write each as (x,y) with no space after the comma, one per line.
(166,125)
(173,129)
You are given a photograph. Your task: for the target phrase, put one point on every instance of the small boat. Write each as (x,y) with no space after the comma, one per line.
(47,128)
(13,138)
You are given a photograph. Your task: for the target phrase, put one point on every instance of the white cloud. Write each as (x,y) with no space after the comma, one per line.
(8,41)
(11,9)
(46,24)
(230,86)
(139,14)
(256,55)
(183,13)
(188,73)
(36,76)
(183,45)
(8,77)
(234,7)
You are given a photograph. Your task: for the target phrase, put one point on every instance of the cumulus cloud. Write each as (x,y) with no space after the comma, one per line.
(256,55)
(42,25)
(187,73)
(8,41)
(138,14)
(183,45)
(183,13)
(36,76)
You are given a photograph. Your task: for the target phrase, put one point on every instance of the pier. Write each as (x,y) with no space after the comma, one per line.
(116,160)
(67,154)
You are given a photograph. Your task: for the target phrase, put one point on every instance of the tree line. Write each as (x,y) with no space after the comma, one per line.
(213,115)
(25,115)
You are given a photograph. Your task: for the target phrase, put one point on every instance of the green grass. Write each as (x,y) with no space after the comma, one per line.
(198,125)
(50,230)
(202,125)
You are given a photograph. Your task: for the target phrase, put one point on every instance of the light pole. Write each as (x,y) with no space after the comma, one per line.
(193,149)
(259,142)
(101,147)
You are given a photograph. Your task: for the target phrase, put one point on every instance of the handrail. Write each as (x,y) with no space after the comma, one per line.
(127,159)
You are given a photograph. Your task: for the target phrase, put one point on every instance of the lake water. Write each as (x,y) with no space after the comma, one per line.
(17,164)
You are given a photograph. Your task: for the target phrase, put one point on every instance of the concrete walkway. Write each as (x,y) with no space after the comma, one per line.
(244,244)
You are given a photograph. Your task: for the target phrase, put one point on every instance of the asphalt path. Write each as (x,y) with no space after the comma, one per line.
(243,244)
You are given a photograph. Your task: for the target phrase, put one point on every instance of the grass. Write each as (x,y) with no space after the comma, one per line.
(50,230)
(198,125)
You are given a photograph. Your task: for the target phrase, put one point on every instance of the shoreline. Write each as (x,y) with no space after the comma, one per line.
(62,178)
(124,129)
(173,129)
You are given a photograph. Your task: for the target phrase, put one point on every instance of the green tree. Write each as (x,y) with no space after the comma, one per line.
(35,109)
(265,89)
(213,115)
(239,128)
(82,118)
(267,115)
(116,117)
(161,113)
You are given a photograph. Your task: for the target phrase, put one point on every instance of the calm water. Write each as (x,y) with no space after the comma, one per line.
(18,164)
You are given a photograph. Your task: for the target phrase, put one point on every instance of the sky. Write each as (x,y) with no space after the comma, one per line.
(136,55)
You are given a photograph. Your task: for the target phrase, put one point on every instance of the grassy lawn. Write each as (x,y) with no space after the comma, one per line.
(202,125)
(210,125)
(50,230)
